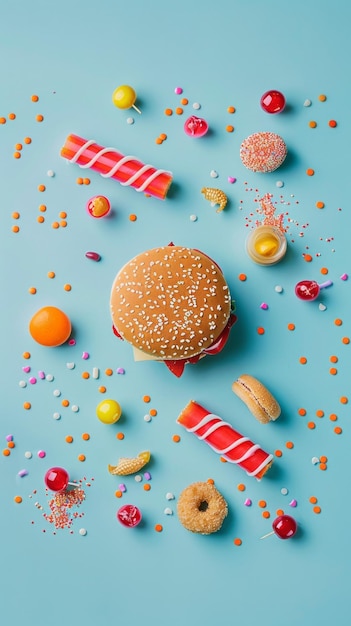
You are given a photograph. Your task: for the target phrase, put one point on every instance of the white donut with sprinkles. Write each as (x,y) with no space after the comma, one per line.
(263,152)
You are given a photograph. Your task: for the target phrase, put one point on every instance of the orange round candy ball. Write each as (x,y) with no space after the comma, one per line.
(50,326)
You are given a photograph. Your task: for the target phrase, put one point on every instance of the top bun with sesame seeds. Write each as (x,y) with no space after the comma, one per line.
(172,304)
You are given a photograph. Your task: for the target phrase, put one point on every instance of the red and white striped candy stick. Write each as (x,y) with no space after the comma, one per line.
(110,163)
(224,440)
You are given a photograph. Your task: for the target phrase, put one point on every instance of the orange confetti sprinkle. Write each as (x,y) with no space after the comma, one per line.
(6,452)
(34,98)
(102,389)
(153,412)
(324,270)
(229,128)
(81,457)
(176,438)
(65,402)
(345,340)
(17,155)
(85,375)
(158,141)
(210,481)
(41,188)
(158,528)
(289,445)
(311,425)
(242,277)
(85,436)
(333,417)
(108,371)
(42,208)
(323,466)
(179,111)
(67,287)
(310,172)
(32,290)
(303,360)
(307,258)
(333,359)
(147,487)
(40,219)
(63,214)
(184,101)
(333,371)
(2,120)
(291,326)
(55,225)
(260,330)
(118,493)
(11,444)
(241,487)
(26,355)
(344,399)
(163,136)
(16,215)
(11,116)
(146,399)
(317,509)
(312,124)
(168,112)
(15,229)
(86,181)
(27,406)
(332,123)
(313,500)
(323,459)
(39,118)
(69,439)
(237,541)
(322,97)
(120,436)
(27,140)
(18,499)
(338,322)
(337,430)
(278,453)
(302,411)
(266,514)
(279,512)
(79,181)
(319,413)
(222,459)
(63,223)
(133,217)
(320,205)
(262,504)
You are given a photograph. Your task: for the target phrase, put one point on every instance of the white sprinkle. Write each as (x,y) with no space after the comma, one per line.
(147,418)
(75,408)
(82,532)
(57,416)
(96,372)
(278,288)
(50,173)
(196,106)
(279,183)
(168,511)
(213,174)
(49,377)
(284,491)
(193,218)
(130,120)
(22,383)
(322,307)
(70,366)
(307,103)
(57,393)
(169,496)
(315,460)
(138,478)
(28,455)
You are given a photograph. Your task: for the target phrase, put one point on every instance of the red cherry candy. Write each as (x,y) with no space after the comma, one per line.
(307,290)
(56,479)
(272,101)
(284,526)
(195,126)
(129,515)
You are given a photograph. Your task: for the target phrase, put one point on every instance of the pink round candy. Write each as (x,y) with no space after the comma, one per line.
(129,515)
(273,101)
(195,126)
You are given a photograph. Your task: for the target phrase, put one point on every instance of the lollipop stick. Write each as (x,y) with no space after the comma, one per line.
(73,484)
(136,108)
(327,283)
(268,535)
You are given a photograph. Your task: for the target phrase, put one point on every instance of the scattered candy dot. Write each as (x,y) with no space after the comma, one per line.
(176,438)
(344,276)
(248,502)
(168,511)
(289,445)
(169,496)
(291,326)
(312,124)
(231,179)
(307,103)
(332,123)
(28,454)
(322,97)
(158,527)
(242,277)
(178,90)
(18,499)
(41,454)
(237,541)
(196,106)
(260,330)
(213,174)
(310,172)
(130,120)
(315,460)
(320,205)
(241,487)
(82,532)
(278,289)
(193,218)
(284,491)
(279,183)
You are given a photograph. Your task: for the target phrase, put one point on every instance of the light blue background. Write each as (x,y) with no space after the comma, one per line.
(73,55)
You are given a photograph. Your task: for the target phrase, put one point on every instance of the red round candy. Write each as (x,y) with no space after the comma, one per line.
(307,290)
(195,126)
(56,479)
(129,515)
(273,101)
(284,526)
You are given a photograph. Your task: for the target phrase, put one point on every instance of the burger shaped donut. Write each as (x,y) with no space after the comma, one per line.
(172,304)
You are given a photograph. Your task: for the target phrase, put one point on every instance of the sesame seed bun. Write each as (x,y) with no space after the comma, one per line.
(257,398)
(170,302)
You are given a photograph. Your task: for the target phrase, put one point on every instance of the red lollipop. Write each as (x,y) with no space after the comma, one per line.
(309,289)
(57,479)
(195,126)
(273,101)
(284,526)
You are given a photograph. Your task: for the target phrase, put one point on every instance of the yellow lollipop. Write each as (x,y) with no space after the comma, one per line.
(124,97)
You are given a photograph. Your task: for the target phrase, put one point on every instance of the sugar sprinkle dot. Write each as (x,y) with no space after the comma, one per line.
(278,289)
(213,174)
(196,106)
(169,495)
(57,416)
(28,454)
(168,511)
(193,218)
(82,532)
(130,120)
(284,491)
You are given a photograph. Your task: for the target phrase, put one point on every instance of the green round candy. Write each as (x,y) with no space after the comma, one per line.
(108,411)
(124,97)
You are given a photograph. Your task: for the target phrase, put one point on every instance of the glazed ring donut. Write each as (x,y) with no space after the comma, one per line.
(201,508)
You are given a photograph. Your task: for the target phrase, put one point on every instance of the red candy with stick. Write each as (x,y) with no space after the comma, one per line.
(309,289)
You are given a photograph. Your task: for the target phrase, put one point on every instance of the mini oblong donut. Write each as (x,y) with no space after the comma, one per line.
(257,398)
(201,508)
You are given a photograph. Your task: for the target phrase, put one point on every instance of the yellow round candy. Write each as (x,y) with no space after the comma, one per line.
(124,97)
(108,411)
(267,245)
